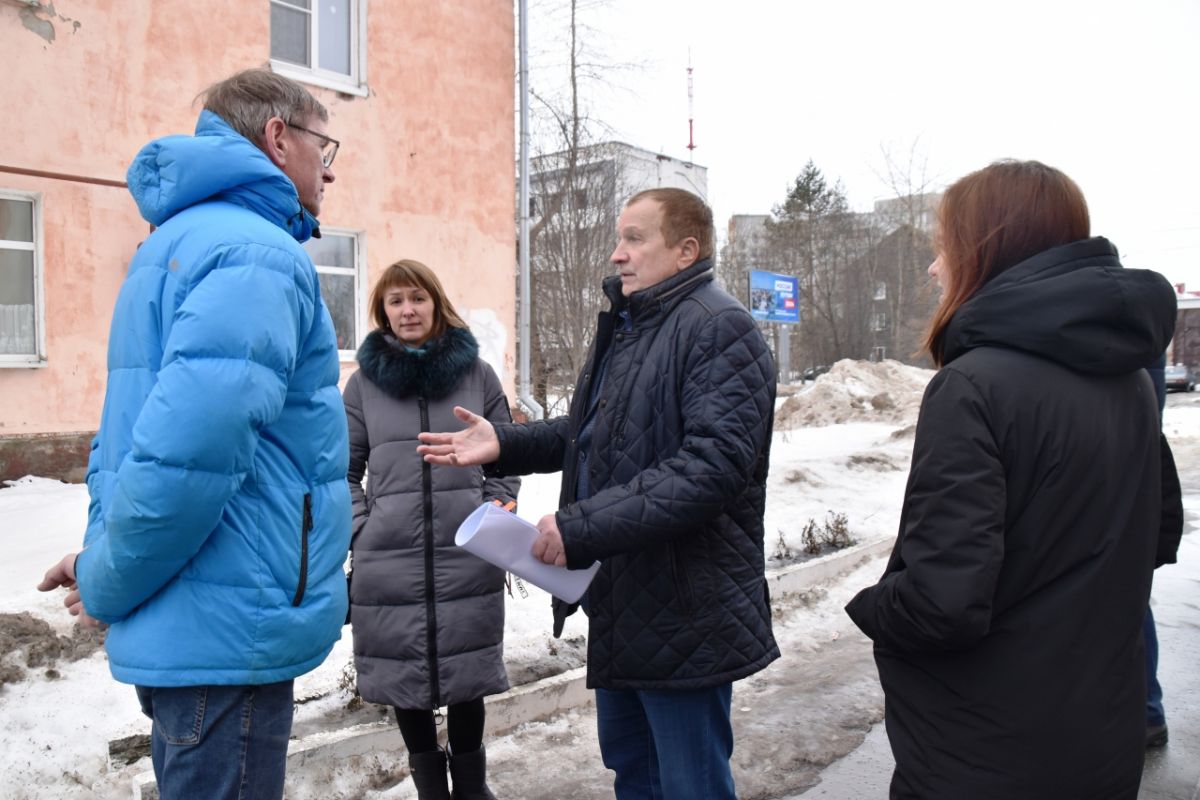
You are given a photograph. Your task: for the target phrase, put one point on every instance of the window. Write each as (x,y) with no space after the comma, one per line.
(338,258)
(879,321)
(319,42)
(22,337)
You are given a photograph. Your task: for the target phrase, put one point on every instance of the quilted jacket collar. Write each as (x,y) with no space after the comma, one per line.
(647,305)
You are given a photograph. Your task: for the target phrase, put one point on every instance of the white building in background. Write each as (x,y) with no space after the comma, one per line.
(617,171)
(642,169)
(575,199)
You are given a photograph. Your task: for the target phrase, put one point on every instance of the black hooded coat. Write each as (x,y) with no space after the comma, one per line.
(1007,625)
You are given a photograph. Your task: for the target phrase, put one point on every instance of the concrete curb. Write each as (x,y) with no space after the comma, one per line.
(800,577)
(541,699)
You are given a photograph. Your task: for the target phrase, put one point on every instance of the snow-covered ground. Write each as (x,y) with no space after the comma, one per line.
(59,716)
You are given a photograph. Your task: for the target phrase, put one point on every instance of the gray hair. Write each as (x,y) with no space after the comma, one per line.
(247,99)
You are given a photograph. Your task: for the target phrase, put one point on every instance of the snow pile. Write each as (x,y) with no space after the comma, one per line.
(857,391)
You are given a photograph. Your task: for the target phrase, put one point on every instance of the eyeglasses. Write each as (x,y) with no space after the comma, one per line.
(329,145)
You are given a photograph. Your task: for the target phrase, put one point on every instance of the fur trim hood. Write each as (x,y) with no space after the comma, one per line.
(432,372)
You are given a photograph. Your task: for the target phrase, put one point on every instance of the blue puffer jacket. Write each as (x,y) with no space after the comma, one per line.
(220,514)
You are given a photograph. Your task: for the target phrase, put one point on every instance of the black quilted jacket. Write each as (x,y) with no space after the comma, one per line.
(677,471)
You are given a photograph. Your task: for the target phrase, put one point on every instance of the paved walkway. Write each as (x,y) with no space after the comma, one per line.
(809,726)
(808,709)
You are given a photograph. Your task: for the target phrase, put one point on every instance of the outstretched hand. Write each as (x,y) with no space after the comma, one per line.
(475,444)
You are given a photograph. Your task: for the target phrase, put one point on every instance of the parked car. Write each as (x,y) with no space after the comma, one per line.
(1180,378)
(812,373)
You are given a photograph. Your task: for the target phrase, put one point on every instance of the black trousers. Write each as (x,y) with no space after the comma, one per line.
(464,727)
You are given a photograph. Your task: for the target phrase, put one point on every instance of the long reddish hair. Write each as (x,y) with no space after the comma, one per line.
(994,219)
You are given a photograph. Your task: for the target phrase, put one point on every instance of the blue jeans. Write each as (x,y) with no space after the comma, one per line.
(667,744)
(219,742)
(1154,704)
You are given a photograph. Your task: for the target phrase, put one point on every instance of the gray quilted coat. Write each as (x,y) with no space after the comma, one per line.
(678,470)
(427,616)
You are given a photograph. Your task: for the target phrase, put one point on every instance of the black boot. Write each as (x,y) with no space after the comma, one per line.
(429,775)
(468,773)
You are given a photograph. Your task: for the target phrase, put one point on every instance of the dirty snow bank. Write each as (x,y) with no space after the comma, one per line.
(857,391)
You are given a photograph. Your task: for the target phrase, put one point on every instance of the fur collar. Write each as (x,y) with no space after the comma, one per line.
(431,372)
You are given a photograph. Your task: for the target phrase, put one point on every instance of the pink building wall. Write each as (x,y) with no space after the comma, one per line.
(425,167)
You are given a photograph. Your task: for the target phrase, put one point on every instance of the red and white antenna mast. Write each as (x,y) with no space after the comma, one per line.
(691,145)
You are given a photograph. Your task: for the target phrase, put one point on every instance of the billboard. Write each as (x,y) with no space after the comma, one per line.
(774,297)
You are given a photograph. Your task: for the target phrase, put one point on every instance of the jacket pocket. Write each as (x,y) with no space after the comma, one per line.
(683,581)
(306,524)
(178,713)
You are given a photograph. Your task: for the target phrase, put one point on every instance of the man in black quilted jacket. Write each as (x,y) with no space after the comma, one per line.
(664,458)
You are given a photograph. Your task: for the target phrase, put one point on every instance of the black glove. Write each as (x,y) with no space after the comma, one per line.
(562,609)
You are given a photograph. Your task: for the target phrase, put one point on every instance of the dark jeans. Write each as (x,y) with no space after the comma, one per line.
(667,744)
(1154,704)
(219,742)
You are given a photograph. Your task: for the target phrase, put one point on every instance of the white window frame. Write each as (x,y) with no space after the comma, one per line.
(359,272)
(356,82)
(37,359)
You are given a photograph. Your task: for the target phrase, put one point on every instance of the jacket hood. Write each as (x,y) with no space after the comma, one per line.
(1074,304)
(217,163)
(432,372)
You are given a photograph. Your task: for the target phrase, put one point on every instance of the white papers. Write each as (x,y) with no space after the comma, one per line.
(504,539)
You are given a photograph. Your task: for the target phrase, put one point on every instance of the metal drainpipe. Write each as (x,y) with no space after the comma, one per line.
(524,391)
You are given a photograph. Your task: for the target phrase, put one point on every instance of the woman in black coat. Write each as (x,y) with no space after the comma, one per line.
(1007,625)
(427,616)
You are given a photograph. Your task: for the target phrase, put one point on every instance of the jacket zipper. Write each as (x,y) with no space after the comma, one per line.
(430,605)
(306,525)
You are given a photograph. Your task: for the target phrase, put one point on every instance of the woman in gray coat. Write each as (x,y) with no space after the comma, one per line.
(427,616)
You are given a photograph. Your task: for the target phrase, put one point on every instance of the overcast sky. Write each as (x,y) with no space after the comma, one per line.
(1105,91)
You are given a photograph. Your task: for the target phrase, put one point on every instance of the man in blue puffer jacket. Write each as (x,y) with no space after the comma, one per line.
(220,514)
